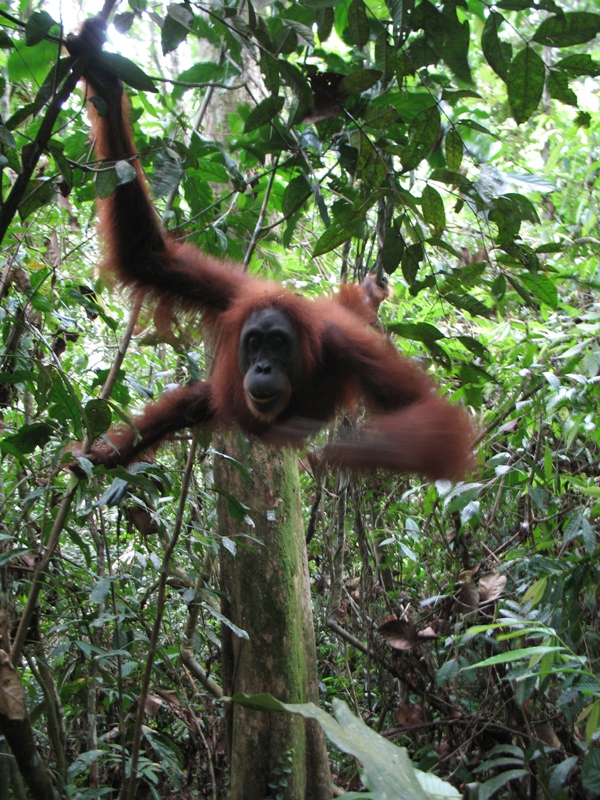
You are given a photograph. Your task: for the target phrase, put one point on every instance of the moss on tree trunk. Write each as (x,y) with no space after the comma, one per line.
(266,593)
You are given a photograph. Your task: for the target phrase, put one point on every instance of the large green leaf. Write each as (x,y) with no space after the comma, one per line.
(263,113)
(559,89)
(358,23)
(38,25)
(453,149)
(579,64)
(498,54)
(423,133)
(417,331)
(97,417)
(176,26)
(566,29)
(525,83)
(342,229)
(359,81)
(129,72)
(433,210)
(39,191)
(388,770)
(28,438)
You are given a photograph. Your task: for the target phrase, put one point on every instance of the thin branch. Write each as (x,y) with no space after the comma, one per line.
(129,788)
(261,217)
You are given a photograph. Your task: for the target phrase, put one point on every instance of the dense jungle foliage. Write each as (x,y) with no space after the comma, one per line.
(453,144)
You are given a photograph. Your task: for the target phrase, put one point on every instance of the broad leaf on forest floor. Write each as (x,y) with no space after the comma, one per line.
(388,771)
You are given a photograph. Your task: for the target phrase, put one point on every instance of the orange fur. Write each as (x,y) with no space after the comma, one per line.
(343,359)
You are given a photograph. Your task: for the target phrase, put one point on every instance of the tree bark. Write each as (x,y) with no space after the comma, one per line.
(266,592)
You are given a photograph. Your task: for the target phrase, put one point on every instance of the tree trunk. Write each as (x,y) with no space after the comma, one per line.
(266,593)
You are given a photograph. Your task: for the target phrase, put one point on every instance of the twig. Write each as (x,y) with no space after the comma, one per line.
(129,787)
(263,211)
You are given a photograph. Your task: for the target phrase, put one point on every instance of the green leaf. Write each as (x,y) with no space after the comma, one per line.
(453,148)
(38,25)
(97,417)
(286,40)
(127,71)
(319,3)
(28,437)
(451,178)
(53,79)
(296,193)
(423,133)
(380,117)
(101,589)
(468,303)
(476,126)
(39,191)
(358,23)
(106,182)
(525,83)
(339,232)
(5,41)
(20,115)
(396,9)
(125,172)
(560,773)
(532,654)
(433,210)
(591,725)
(590,772)
(124,21)
(385,57)
(411,259)
(473,345)
(264,112)
(388,769)
(557,84)
(203,72)
(325,19)
(213,171)
(6,138)
(416,331)
(392,250)
(490,787)
(240,632)
(498,54)
(56,148)
(235,507)
(542,287)
(517,5)
(564,30)
(359,81)
(19,376)
(579,64)
(176,26)
(269,66)
(456,45)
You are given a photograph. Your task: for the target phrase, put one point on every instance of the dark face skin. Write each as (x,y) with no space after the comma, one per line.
(269,357)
